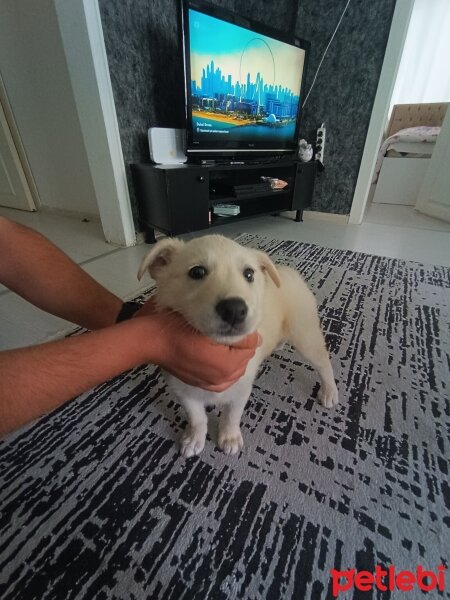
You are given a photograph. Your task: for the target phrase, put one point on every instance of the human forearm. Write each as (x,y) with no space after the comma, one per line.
(36,380)
(37,270)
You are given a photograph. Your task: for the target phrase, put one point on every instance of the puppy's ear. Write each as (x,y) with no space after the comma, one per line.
(159,256)
(268,267)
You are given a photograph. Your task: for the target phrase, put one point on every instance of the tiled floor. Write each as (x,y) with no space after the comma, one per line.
(395,231)
(405,216)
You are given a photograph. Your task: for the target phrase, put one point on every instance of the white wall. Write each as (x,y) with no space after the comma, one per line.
(36,77)
(84,47)
(424,71)
(397,36)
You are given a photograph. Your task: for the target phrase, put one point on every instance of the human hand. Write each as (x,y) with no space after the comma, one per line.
(192,357)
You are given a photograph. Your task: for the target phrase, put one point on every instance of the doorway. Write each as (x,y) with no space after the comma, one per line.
(405,57)
(17,188)
(54,68)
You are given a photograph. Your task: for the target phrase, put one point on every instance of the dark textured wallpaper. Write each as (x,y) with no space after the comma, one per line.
(142,45)
(144,55)
(345,88)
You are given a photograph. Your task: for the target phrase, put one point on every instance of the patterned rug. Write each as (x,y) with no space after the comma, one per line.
(96,503)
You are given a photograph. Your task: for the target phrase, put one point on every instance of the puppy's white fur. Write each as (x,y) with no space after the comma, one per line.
(280,306)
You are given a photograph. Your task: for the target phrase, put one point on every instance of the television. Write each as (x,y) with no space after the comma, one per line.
(244,84)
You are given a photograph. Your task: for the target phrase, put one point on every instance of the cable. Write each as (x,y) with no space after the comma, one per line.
(326,50)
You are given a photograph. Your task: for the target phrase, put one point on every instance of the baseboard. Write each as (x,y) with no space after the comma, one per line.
(74,214)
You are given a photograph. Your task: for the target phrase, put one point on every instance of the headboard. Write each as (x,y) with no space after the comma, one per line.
(412,115)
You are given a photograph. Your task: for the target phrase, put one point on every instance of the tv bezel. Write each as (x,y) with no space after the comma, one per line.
(217,147)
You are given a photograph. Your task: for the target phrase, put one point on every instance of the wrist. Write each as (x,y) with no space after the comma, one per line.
(128,310)
(151,339)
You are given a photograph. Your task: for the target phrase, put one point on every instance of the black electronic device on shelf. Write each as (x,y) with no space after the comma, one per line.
(243,190)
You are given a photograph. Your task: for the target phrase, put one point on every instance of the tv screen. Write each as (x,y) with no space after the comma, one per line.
(243,84)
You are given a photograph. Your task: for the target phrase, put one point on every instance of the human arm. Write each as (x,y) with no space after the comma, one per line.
(38,379)
(34,268)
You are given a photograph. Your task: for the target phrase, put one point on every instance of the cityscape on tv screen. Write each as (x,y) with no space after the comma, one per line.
(244,85)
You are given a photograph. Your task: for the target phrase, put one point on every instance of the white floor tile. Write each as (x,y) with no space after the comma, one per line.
(117,271)
(421,245)
(403,216)
(80,240)
(22,324)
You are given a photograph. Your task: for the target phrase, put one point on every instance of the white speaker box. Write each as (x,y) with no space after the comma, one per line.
(167,146)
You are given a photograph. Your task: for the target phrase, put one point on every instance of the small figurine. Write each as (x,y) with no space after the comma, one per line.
(305,151)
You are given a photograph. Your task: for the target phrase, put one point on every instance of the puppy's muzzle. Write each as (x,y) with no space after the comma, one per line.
(232,311)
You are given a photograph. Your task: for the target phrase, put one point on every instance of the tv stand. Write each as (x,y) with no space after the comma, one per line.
(177,199)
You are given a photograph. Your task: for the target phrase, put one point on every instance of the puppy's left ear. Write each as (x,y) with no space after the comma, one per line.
(268,267)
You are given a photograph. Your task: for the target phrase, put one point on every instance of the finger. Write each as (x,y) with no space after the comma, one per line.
(189,380)
(211,385)
(229,381)
(219,387)
(187,377)
(250,342)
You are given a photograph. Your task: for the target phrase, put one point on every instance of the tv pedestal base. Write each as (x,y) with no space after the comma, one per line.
(177,199)
(149,235)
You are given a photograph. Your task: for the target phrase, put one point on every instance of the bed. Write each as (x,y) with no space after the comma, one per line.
(406,152)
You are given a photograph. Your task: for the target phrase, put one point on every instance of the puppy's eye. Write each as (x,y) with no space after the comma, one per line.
(249,274)
(197,272)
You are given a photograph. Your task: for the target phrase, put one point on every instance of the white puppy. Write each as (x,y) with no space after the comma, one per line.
(226,291)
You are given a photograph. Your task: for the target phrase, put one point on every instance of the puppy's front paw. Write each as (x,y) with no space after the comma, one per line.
(192,441)
(231,442)
(329,396)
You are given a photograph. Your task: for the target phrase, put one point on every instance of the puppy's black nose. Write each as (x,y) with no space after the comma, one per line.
(232,310)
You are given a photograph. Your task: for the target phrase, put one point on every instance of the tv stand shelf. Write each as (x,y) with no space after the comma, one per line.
(239,200)
(177,199)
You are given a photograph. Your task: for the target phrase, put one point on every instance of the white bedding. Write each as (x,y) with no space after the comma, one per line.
(412,149)
(412,142)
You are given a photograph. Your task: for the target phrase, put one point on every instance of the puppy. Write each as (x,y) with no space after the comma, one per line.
(226,291)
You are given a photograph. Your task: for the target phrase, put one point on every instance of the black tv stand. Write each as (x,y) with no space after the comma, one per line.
(182,198)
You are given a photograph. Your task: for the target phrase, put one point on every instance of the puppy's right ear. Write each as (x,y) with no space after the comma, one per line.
(159,256)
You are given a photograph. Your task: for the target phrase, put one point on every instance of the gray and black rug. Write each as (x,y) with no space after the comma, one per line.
(96,503)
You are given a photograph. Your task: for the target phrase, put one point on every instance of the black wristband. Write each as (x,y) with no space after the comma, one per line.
(127,311)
